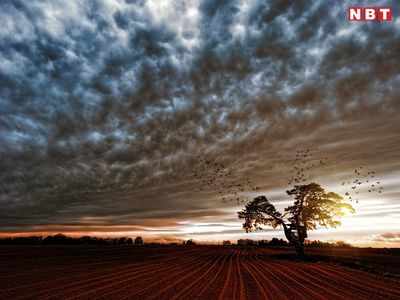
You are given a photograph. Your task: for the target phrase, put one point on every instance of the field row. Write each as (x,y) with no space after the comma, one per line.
(180,273)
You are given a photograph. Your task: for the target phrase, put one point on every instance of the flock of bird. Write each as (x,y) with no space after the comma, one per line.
(214,175)
(364,180)
(302,166)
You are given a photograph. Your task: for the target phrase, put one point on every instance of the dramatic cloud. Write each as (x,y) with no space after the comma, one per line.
(105,106)
(391,239)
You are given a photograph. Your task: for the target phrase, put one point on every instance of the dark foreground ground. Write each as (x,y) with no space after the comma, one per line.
(198,272)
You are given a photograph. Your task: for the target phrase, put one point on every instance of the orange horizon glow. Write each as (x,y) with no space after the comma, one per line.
(172,239)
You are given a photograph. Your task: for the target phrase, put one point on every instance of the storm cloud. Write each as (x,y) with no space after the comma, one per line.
(105,106)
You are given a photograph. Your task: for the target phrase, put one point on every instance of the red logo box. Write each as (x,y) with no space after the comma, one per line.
(358,13)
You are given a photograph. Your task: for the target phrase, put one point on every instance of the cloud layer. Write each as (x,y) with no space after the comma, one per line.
(106,105)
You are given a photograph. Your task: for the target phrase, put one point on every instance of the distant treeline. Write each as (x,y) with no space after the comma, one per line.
(275,242)
(61,239)
(319,244)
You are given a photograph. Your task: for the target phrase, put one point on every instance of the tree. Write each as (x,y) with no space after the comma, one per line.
(139,241)
(226,243)
(312,206)
(122,241)
(189,242)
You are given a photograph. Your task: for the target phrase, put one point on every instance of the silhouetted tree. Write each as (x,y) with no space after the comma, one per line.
(342,244)
(122,241)
(138,241)
(58,239)
(61,239)
(246,242)
(312,206)
(189,242)
(226,243)
(23,240)
(320,244)
(275,242)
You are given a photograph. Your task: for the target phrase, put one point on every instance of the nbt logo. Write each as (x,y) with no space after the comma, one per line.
(382,14)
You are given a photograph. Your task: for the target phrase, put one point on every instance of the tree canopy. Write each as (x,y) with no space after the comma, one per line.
(312,207)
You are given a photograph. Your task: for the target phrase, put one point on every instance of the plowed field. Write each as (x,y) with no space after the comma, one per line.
(178,273)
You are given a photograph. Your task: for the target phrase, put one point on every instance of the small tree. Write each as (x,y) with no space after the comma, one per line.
(189,242)
(122,241)
(312,207)
(138,241)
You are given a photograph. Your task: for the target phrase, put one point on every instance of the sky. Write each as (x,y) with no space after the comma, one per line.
(107,107)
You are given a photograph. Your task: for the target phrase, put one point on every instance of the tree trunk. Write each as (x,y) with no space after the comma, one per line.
(299,247)
(288,234)
(297,242)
